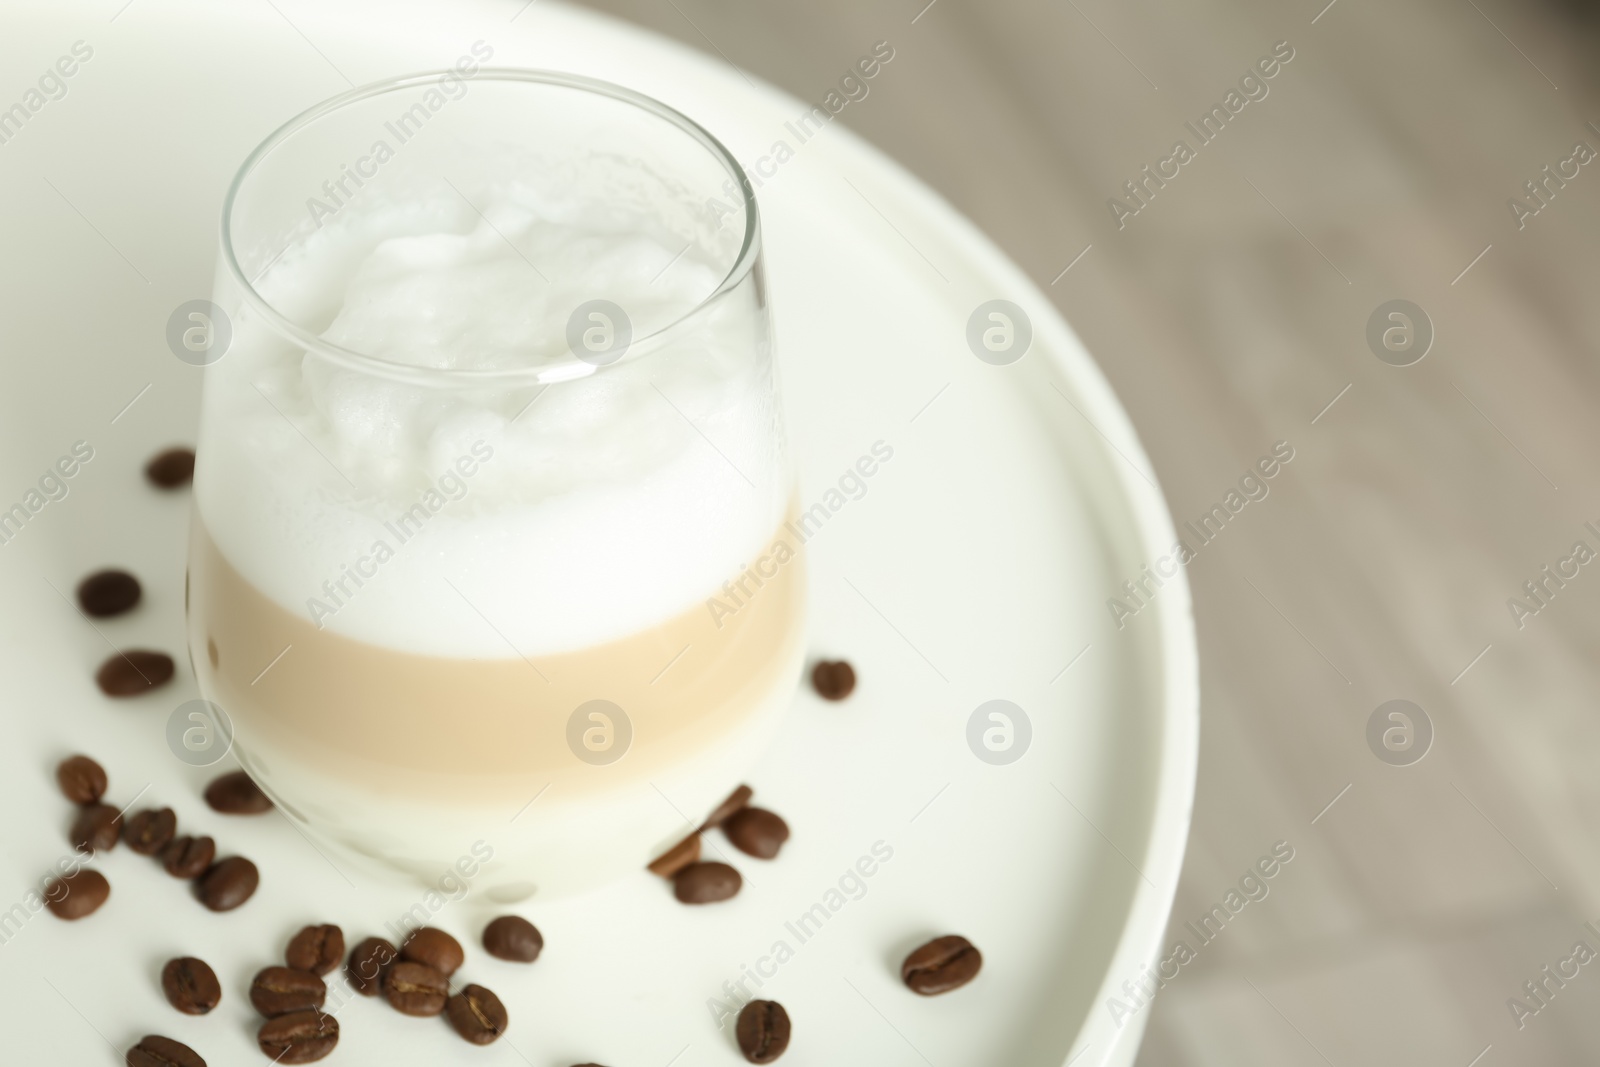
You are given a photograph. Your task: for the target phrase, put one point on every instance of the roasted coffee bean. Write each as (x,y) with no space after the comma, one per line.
(300,1037)
(158,1051)
(150,831)
(281,990)
(833,679)
(81,779)
(76,895)
(96,829)
(416,988)
(127,674)
(188,857)
(706,883)
(108,592)
(191,985)
(171,469)
(435,948)
(228,883)
(677,857)
(511,937)
(477,1014)
(762,1030)
(736,800)
(317,949)
(756,832)
(367,964)
(236,793)
(943,964)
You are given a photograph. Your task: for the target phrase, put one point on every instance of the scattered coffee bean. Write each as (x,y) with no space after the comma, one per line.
(228,883)
(81,779)
(281,990)
(171,469)
(78,894)
(434,947)
(188,857)
(236,793)
(677,857)
(416,988)
(317,949)
(109,592)
(97,828)
(943,964)
(833,679)
(158,1051)
(477,1014)
(511,937)
(762,1030)
(706,883)
(299,1037)
(150,831)
(736,800)
(135,671)
(367,964)
(756,832)
(191,985)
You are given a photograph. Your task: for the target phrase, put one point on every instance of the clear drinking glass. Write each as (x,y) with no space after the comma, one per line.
(490,564)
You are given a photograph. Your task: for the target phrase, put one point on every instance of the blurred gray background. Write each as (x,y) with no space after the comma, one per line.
(1230,313)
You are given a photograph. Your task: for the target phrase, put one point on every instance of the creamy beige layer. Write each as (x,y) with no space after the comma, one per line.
(473,731)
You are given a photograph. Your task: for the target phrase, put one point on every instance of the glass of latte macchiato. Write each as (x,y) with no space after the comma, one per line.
(489,557)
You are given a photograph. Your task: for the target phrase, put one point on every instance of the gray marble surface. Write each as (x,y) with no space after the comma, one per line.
(1231,312)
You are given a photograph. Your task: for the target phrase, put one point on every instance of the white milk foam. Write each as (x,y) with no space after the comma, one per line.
(611,504)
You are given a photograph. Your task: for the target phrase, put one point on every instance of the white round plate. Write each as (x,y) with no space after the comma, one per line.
(973,566)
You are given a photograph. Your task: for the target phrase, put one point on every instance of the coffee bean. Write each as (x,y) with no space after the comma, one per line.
(477,1015)
(706,883)
(150,831)
(677,857)
(188,857)
(228,883)
(756,832)
(833,679)
(81,779)
(170,469)
(135,671)
(416,988)
(158,1051)
(299,1037)
(736,800)
(96,829)
(317,949)
(236,793)
(191,985)
(435,948)
(281,990)
(511,937)
(762,1030)
(943,964)
(367,964)
(78,894)
(109,592)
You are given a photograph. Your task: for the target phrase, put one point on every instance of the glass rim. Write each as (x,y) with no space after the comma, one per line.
(559,371)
